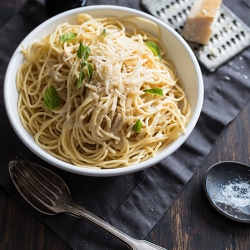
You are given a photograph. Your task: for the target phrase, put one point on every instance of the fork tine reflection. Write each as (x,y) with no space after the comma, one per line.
(35,187)
(41,179)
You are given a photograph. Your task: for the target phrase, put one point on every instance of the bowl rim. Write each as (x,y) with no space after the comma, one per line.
(116,171)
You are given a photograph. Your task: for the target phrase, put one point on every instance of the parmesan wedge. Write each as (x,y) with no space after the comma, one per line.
(200,22)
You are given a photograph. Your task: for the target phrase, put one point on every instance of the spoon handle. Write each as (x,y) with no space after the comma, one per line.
(77,210)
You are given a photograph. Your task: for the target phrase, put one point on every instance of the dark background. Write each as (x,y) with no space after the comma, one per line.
(190,223)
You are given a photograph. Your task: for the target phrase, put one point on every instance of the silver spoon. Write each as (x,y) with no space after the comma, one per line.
(49,194)
(227,185)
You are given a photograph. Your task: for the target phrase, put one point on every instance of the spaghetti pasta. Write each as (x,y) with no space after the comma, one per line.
(121,102)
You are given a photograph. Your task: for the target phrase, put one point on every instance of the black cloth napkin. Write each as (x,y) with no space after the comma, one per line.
(133,203)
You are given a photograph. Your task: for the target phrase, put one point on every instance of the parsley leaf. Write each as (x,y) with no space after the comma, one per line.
(80,51)
(67,37)
(86,53)
(154,48)
(83,64)
(51,98)
(104,32)
(137,126)
(80,79)
(154,91)
(83,53)
(90,70)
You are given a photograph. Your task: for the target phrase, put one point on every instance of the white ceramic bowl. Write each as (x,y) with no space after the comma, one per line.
(187,68)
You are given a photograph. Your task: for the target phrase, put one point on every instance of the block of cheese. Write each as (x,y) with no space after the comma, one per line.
(199,25)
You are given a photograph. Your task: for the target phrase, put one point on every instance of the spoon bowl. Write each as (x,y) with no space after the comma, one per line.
(227,186)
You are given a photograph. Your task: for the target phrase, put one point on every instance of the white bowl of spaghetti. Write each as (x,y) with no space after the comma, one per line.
(103,91)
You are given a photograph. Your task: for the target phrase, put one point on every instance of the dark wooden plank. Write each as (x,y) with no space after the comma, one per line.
(191,222)
(19,229)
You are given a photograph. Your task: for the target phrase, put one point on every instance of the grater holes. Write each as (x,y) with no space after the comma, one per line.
(179,14)
(185,12)
(161,12)
(236,23)
(174,4)
(175,18)
(210,56)
(170,20)
(216,36)
(233,40)
(221,33)
(224,46)
(225,30)
(243,33)
(238,37)
(214,52)
(222,16)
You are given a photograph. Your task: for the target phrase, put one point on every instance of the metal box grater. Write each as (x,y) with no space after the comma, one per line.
(230,35)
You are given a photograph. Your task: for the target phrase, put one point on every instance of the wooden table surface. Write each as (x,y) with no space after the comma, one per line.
(191,223)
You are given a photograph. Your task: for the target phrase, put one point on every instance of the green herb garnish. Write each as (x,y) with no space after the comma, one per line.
(154,91)
(83,53)
(80,51)
(80,79)
(137,126)
(154,48)
(83,64)
(104,32)
(51,98)
(90,70)
(67,37)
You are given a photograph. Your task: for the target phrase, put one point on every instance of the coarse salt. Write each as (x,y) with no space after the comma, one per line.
(237,193)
